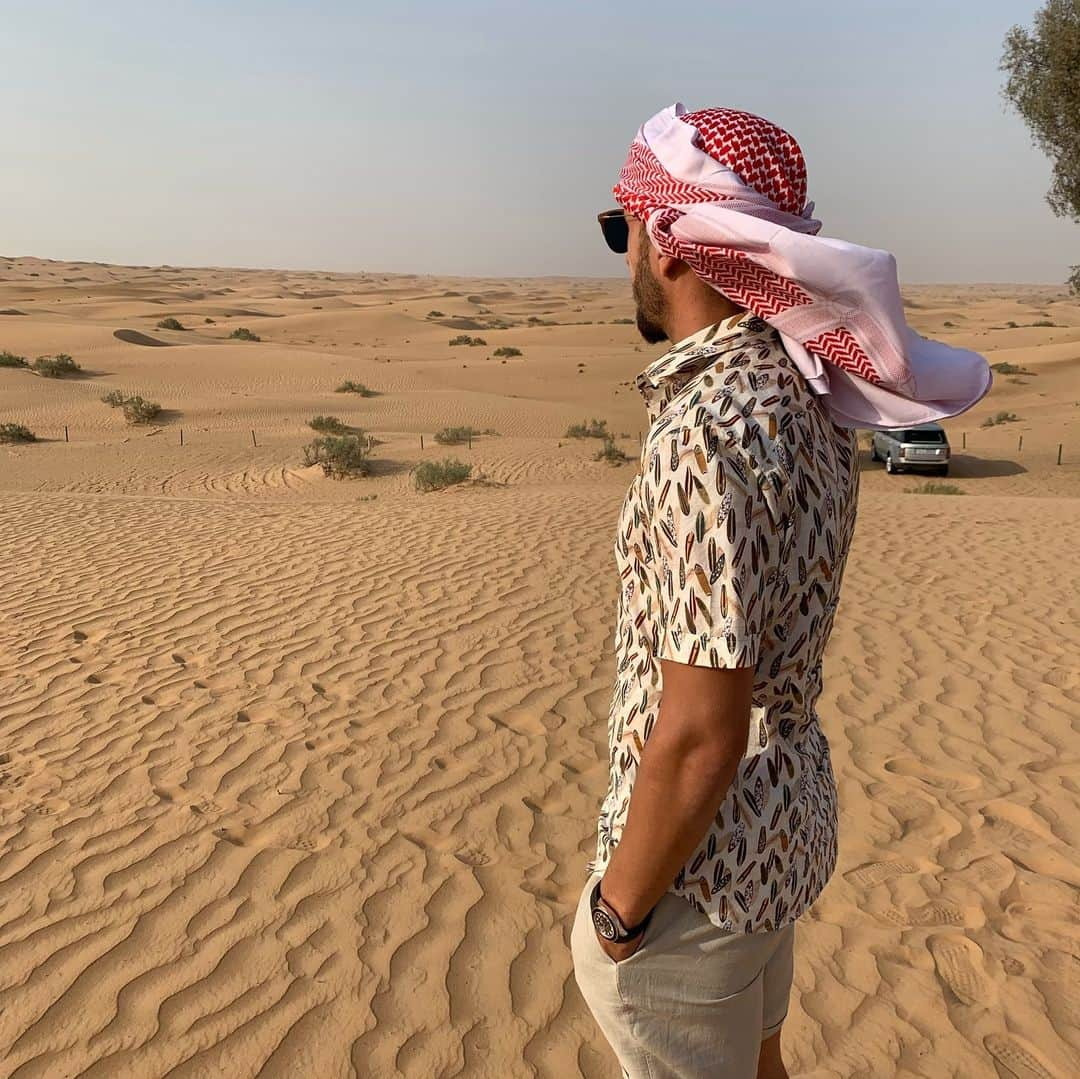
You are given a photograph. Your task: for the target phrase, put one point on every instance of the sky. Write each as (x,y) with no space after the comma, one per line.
(482,138)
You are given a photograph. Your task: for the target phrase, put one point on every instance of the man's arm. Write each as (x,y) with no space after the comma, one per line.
(686,768)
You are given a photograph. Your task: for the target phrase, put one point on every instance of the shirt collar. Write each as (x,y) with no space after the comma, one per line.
(688,354)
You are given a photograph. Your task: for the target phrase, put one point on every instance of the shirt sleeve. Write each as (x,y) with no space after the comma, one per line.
(719,524)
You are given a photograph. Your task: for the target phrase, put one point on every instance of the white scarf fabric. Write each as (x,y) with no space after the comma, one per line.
(893,377)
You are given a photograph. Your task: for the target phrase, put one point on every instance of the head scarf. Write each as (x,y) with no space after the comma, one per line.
(725,192)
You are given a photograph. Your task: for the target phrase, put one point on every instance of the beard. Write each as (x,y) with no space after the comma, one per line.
(650,303)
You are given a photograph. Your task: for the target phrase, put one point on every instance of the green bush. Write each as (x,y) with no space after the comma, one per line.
(15,432)
(593,429)
(114,398)
(1012,325)
(932,488)
(465,339)
(348,386)
(508,350)
(9,359)
(242,333)
(169,324)
(55,366)
(433,475)
(610,453)
(436,314)
(1043,322)
(1000,417)
(450,436)
(329,425)
(339,455)
(1007,368)
(138,410)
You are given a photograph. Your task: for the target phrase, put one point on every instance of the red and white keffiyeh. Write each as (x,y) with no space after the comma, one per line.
(725,192)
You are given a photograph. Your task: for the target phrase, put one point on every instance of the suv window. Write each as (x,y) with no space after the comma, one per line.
(930,437)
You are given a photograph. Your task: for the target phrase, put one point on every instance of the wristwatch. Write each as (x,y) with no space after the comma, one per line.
(609,925)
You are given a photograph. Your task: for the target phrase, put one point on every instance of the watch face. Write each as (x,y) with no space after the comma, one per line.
(604,925)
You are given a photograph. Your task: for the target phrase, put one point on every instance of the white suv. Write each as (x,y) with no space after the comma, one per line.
(923,448)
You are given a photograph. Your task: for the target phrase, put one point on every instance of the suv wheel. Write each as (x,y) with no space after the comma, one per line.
(889,466)
(873,452)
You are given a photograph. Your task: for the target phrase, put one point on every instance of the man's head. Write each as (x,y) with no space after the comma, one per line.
(675,297)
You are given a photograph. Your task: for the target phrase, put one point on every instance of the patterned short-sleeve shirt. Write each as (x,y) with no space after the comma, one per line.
(730,549)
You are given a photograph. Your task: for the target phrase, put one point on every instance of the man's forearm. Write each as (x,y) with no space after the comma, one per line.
(680,784)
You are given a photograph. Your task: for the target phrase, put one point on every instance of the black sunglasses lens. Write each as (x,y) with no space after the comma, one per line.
(616,232)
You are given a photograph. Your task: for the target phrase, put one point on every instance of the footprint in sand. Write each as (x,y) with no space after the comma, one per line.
(959,963)
(1020,1058)
(874,873)
(939,912)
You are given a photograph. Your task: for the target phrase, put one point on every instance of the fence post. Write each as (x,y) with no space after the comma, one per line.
(181,436)
(1020,444)
(964,443)
(470,440)
(421,441)
(65,432)
(253,442)
(1059,453)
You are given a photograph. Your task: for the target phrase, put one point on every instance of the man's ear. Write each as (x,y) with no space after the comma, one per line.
(669,267)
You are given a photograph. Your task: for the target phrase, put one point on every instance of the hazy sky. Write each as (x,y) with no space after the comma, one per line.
(483,138)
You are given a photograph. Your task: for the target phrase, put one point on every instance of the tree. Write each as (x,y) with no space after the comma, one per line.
(1043,84)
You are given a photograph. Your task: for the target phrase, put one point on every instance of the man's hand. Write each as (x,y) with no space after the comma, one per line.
(618,952)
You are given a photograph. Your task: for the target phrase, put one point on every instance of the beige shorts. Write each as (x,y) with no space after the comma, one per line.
(692,1001)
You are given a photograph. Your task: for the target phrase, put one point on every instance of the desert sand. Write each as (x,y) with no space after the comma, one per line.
(298,776)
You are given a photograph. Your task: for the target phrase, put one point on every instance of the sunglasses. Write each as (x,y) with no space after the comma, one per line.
(616,231)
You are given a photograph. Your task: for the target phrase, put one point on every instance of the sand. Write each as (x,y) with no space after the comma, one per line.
(295,781)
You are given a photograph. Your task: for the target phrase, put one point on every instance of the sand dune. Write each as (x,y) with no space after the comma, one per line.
(298,784)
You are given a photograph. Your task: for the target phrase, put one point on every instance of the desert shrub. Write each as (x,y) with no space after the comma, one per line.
(610,452)
(242,333)
(489,431)
(114,398)
(340,455)
(1073,280)
(209,320)
(1012,325)
(433,475)
(436,314)
(593,429)
(932,488)
(138,410)
(948,325)
(55,366)
(622,322)
(9,359)
(329,425)
(1043,322)
(465,339)
(15,432)
(348,386)
(169,324)
(508,350)
(452,435)
(999,417)
(1007,368)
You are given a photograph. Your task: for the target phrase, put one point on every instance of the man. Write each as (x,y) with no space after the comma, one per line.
(718,829)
